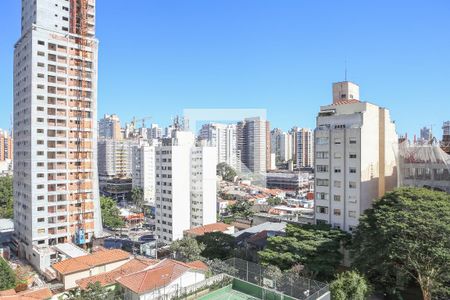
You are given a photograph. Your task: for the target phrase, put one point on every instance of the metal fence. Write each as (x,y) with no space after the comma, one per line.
(296,287)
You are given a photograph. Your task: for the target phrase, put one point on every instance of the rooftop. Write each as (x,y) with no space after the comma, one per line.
(159,275)
(41,293)
(86,262)
(214,227)
(108,278)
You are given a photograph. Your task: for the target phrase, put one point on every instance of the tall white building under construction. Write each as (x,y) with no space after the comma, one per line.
(55,93)
(355,157)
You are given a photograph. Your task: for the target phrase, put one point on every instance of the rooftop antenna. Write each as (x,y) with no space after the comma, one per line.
(345,69)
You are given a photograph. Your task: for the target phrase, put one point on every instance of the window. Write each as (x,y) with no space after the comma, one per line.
(321,154)
(351,199)
(336,212)
(322,168)
(322,182)
(41,231)
(41,43)
(322,141)
(352,214)
(352,170)
(321,196)
(352,184)
(337,184)
(40,220)
(322,209)
(337,198)
(40,208)
(352,155)
(337,141)
(337,170)
(337,155)
(352,141)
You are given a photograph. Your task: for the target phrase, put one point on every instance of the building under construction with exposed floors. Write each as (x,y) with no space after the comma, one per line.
(56,198)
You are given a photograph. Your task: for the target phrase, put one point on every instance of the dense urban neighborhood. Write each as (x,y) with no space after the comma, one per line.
(208,209)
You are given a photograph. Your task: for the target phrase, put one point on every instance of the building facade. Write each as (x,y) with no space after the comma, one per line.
(355,158)
(305,148)
(224,137)
(109,127)
(6,146)
(253,142)
(185,185)
(143,170)
(55,104)
(281,145)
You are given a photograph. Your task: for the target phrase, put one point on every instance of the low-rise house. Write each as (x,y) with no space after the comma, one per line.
(165,278)
(108,279)
(76,268)
(33,294)
(214,227)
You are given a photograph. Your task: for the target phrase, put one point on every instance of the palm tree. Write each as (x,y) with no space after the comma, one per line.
(137,196)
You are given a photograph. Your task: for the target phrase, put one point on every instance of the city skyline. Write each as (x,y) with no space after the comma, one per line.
(261,59)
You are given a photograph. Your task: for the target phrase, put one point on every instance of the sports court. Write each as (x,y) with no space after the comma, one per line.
(227,293)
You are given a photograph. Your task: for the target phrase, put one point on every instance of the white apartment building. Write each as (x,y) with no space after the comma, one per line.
(115,158)
(281,145)
(154,132)
(355,162)
(305,148)
(143,170)
(109,127)
(55,108)
(185,185)
(222,136)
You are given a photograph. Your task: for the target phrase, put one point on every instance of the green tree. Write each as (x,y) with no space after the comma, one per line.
(349,285)
(316,247)
(241,208)
(110,213)
(226,172)
(217,245)
(6,197)
(273,201)
(7,276)
(187,249)
(137,196)
(217,266)
(406,235)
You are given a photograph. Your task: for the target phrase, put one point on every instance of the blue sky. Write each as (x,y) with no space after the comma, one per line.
(158,57)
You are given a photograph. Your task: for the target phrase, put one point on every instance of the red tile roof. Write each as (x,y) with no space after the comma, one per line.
(350,101)
(108,278)
(36,294)
(86,262)
(208,228)
(159,275)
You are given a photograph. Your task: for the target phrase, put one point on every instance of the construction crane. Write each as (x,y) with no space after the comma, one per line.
(133,122)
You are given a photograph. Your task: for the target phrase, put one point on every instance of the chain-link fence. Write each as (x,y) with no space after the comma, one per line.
(287,283)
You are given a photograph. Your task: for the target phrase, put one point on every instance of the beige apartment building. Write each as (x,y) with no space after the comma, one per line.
(355,157)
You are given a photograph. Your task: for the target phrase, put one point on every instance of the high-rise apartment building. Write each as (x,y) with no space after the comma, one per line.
(143,170)
(55,102)
(253,142)
(115,158)
(185,185)
(109,127)
(281,145)
(305,148)
(355,162)
(445,143)
(222,136)
(6,146)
